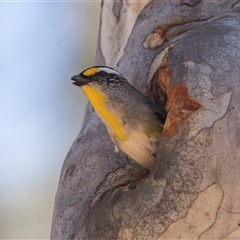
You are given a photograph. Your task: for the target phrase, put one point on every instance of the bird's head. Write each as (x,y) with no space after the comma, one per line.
(98,76)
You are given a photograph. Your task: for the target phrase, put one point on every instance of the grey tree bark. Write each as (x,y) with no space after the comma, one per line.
(185,55)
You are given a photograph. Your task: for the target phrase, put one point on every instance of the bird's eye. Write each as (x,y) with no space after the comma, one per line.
(111,75)
(102,74)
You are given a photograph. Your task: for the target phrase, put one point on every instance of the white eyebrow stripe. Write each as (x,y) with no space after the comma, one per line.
(108,70)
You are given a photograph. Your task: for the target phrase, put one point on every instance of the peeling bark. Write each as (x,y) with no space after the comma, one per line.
(185,55)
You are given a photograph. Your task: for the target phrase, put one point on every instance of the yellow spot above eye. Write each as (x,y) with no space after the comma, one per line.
(98,100)
(90,71)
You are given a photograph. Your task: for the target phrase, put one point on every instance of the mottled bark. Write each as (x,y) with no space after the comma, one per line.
(184,55)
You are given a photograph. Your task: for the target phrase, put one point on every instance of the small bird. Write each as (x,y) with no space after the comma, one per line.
(133,121)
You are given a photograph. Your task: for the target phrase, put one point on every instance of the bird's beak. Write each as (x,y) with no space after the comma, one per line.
(79,80)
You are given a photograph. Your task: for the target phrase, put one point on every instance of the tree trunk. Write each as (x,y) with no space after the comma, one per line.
(184,55)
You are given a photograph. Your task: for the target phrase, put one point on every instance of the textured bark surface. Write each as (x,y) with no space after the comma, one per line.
(184,54)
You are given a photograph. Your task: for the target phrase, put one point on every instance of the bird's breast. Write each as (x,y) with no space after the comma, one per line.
(98,100)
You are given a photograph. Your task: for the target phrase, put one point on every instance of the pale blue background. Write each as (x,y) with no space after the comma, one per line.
(42,45)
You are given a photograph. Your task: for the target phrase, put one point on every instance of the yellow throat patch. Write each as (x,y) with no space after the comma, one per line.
(98,100)
(90,71)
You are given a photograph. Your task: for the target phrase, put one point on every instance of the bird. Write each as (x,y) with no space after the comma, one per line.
(133,122)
